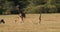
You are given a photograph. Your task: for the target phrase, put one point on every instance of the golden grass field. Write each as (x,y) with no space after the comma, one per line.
(49,23)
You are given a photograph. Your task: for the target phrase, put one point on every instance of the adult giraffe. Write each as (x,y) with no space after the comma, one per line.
(19,8)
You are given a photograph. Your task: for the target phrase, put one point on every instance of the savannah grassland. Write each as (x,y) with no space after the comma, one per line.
(49,23)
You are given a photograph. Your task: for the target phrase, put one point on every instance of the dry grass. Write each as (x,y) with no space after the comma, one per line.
(49,23)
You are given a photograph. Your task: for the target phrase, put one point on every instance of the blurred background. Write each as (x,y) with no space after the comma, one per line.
(30,6)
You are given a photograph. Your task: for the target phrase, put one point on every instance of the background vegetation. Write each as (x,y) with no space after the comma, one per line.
(30,6)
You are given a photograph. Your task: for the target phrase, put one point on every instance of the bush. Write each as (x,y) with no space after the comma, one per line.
(14,12)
